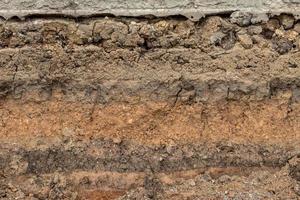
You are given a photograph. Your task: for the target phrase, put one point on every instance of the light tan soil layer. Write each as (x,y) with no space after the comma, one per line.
(270,121)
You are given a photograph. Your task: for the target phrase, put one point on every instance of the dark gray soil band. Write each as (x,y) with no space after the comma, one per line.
(101,155)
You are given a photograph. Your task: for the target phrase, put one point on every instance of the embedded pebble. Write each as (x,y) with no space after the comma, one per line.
(291,35)
(272,25)
(255,30)
(287,21)
(245,41)
(297,27)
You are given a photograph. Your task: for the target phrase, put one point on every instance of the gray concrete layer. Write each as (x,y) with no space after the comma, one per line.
(193,9)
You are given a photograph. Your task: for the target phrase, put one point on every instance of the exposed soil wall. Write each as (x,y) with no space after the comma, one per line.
(136,108)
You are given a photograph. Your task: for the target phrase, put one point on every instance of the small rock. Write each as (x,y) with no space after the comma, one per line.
(162,26)
(291,35)
(85,181)
(227,26)
(268,34)
(170,149)
(297,43)
(287,21)
(206,176)
(192,183)
(260,41)
(297,27)
(117,141)
(255,30)
(245,41)
(226,41)
(217,37)
(292,64)
(211,26)
(259,18)
(241,18)
(184,28)
(297,189)
(280,33)
(282,45)
(272,25)
(225,179)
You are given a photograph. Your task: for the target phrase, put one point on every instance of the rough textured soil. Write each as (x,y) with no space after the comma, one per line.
(137,108)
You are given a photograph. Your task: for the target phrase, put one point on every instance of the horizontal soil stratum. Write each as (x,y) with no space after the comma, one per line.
(105,108)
